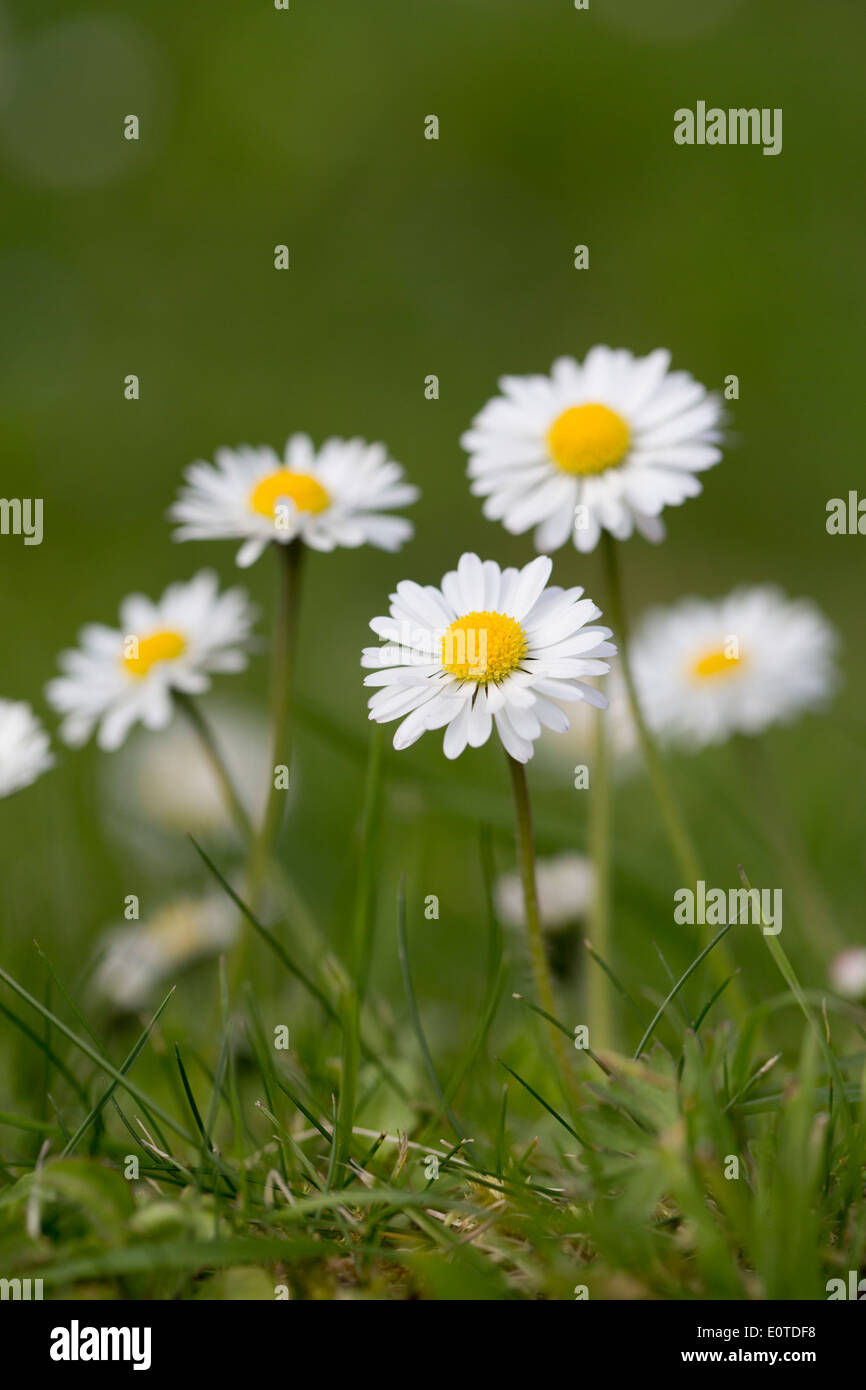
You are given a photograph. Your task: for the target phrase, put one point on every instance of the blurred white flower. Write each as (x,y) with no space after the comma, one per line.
(706,669)
(120,676)
(170,782)
(603,444)
(138,957)
(565,884)
(336,496)
(24,748)
(848,972)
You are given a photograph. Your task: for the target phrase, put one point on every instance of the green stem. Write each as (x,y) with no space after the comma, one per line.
(282,667)
(677,832)
(600,1021)
(369,868)
(209,745)
(535,941)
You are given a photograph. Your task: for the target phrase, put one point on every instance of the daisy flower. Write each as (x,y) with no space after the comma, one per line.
(490,647)
(122,675)
(603,444)
(24,748)
(137,958)
(707,669)
(338,496)
(565,884)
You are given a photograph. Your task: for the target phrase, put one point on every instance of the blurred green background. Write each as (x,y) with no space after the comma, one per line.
(411,257)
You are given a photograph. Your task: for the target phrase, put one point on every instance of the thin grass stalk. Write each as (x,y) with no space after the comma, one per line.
(675,826)
(542,983)
(598,990)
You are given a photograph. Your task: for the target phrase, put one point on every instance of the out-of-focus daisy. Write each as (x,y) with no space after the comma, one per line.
(706,669)
(119,676)
(138,957)
(565,884)
(490,647)
(169,784)
(605,444)
(848,972)
(24,748)
(336,496)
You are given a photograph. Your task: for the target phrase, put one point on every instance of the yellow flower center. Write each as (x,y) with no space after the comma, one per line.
(588,439)
(483,647)
(303,489)
(147,651)
(715,663)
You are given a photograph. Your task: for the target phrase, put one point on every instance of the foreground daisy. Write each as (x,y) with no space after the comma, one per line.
(707,669)
(491,647)
(24,749)
(336,496)
(605,444)
(119,676)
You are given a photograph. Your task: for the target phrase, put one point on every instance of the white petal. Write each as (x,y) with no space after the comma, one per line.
(457,733)
(533,578)
(518,748)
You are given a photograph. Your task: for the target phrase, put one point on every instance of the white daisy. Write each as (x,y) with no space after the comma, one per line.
(706,669)
(848,972)
(604,444)
(137,958)
(565,884)
(24,748)
(337,496)
(491,646)
(120,675)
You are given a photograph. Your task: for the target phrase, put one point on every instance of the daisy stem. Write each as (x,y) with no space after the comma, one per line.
(677,831)
(535,941)
(600,1024)
(206,738)
(282,666)
(282,671)
(674,824)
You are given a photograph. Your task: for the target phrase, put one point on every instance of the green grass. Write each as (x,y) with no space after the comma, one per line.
(260,1170)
